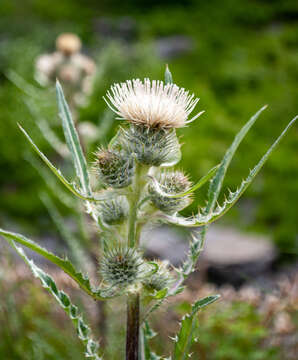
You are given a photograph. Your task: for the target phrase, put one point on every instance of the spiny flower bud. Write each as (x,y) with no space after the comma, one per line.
(122,267)
(171,183)
(114,168)
(153,146)
(159,280)
(113,211)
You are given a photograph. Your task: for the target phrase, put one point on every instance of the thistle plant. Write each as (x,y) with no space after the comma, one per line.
(139,186)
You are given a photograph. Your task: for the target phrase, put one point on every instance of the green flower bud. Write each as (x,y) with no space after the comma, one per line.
(153,146)
(171,183)
(114,168)
(122,267)
(159,280)
(113,211)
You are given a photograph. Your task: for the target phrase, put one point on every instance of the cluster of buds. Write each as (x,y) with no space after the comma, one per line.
(73,69)
(145,145)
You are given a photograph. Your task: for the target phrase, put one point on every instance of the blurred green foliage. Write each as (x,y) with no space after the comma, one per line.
(242,330)
(34,327)
(31,326)
(244,56)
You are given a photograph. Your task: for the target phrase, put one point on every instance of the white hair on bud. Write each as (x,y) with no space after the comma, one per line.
(152,103)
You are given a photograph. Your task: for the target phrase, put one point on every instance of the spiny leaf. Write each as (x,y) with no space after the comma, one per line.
(184,338)
(64,264)
(205,217)
(146,334)
(63,300)
(200,183)
(73,142)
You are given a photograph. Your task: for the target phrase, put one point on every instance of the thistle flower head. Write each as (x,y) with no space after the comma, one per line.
(152,103)
(114,168)
(171,183)
(122,267)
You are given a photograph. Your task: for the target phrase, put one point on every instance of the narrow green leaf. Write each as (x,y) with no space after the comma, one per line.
(45,129)
(73,143)
(57,172)
(51,182)
(63,300)
(217,181)
(234,196)
(199,184)
(168,76)
(184,338)
(204,302)
(64,264)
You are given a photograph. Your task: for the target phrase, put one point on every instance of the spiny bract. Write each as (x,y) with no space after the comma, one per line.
(152,146)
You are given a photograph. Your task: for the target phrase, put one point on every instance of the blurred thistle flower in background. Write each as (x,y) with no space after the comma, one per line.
(75,70)
(152,103)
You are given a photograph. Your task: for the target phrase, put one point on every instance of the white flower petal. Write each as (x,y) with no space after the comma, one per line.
(152,103)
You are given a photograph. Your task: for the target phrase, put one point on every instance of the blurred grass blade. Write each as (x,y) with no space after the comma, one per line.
(82,329)
(73,143)
(199,184)
(57,172)
(51,182)
(23,85)
(64,264)
(78,254)
(217,181)
(184,338)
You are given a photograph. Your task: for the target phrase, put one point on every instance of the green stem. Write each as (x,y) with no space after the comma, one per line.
(133,300)
(134,202)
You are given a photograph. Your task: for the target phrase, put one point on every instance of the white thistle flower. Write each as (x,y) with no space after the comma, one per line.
(152,103)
